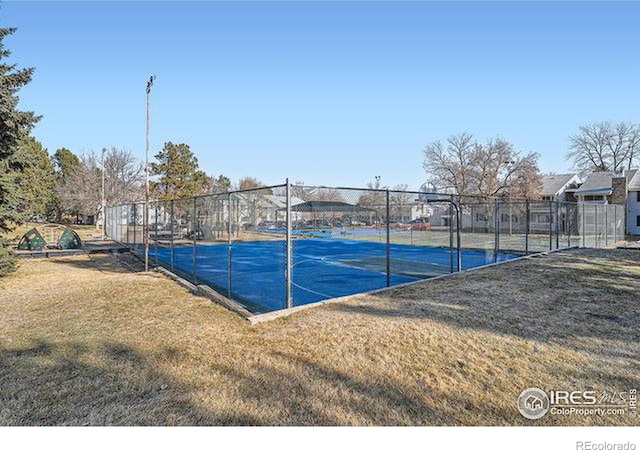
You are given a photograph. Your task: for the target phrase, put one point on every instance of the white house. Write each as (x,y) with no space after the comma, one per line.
(633,205)
(554,187)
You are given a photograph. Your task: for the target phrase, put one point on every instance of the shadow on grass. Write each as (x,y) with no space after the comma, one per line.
(113,384)
(68,384)
(584,300)
(104,262)
(298,391)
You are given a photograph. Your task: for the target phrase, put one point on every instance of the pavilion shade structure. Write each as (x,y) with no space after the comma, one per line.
(318,206)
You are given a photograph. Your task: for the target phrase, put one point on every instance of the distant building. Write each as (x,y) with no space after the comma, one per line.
(603,187)
(614,188)
(559,188)
(633,204)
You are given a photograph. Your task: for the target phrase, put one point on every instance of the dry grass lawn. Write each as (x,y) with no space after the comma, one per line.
(83,341)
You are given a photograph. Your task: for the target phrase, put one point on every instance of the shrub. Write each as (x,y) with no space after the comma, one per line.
(8,262)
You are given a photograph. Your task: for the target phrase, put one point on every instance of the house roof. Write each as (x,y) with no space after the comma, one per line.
(552,184)
(633,180)
(601,182)
(327,206)
(270,200)
(597,183)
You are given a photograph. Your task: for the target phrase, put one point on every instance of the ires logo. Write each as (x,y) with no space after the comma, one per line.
(534,403)
(573,398)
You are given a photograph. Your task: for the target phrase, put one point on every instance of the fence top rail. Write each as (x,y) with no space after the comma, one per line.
(443,195)
(212,194)
(425,197)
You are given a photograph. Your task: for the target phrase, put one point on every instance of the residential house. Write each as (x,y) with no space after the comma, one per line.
(555,188)
(633,204)
(606,187)
(614,188)
(559,187)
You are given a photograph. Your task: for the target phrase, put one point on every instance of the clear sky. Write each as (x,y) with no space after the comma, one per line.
(329,93)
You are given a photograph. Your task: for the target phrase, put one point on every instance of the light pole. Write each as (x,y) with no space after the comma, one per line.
(103,203)
(145,226)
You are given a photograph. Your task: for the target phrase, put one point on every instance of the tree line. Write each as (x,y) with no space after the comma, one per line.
(66,186)
(465,166)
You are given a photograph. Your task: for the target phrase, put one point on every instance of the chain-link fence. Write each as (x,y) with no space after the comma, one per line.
(280,246)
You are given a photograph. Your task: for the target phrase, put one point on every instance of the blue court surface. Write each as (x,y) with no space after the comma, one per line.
(321,269)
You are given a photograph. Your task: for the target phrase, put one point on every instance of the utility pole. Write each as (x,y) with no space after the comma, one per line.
(146,182)
(103,202)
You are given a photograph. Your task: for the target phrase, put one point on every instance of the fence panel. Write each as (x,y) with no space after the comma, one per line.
(512,227)
(211,241)
(422,236)
(346,229)
(258,250)
(343,240)
(478,218)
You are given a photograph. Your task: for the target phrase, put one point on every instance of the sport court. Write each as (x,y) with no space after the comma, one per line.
(321,268)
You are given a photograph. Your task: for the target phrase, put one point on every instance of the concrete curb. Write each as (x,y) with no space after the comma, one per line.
(206,291)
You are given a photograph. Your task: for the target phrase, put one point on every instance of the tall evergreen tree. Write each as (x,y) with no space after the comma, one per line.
(66,165)
(37,180)
(179,174)
(65,162)
(14,125)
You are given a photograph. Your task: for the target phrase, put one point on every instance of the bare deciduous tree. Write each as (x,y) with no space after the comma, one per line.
(400,202)
(466,167)
(604,146)
(124,178)
(249,183)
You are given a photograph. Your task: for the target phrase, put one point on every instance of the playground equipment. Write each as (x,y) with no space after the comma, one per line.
(32,240)
(69,239)
(64,237)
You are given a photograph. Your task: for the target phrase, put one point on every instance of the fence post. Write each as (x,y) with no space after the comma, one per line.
(584,228)
(597,241)
(527,227)
(171,228)
(550,225)
(288,245)
(615,223)
(135,225)
(194,226)
(496,231)
(156,233)
(229,230)
(568,223)
(606,225)
(451,234)
(458,243)
(557,225)
(145,233)
(388,243)
(121,238)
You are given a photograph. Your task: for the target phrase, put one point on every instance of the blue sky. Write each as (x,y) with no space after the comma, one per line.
(329,93)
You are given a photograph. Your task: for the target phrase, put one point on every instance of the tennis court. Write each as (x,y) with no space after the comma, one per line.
(321,268)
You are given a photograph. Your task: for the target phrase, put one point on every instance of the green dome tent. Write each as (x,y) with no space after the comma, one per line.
(32,240)
(66,239)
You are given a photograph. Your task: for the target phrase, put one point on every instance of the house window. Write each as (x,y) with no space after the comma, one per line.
(540,218)
(593,198)
(638,221)
(638,196)
(481,217)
